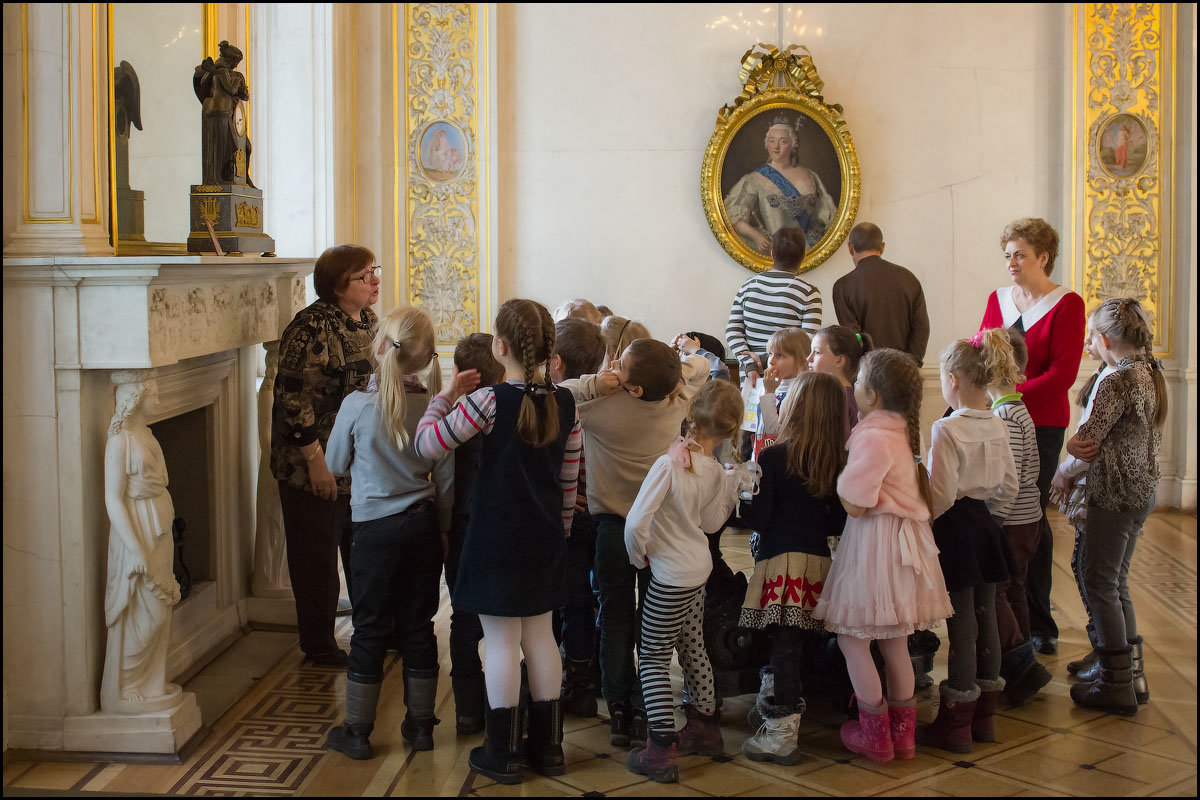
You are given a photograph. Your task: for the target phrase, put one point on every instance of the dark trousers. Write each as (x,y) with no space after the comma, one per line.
(792,650)
(397,565)
(974,643)
(1107,550)
(465,631)
(1041,566)
(315,530)
(1012,607)
(621,587)
(578,629)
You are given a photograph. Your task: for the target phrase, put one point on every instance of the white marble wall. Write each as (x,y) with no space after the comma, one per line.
(955,111)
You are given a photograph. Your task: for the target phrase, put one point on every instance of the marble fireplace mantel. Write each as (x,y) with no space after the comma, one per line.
(69,322)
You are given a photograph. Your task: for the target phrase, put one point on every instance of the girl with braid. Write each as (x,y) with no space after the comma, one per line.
(511,571)
(885,581)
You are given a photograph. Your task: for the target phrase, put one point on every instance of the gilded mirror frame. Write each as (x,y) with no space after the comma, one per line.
(800,94)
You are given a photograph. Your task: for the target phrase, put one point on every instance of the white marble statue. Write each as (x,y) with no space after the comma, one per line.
(271,578)
(141,586)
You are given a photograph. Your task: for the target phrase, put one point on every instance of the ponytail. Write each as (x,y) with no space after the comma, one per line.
(894,377)
(851,346)
(985,359)
(406,337)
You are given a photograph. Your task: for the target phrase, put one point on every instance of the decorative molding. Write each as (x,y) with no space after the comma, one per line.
(1123,153)
(444,202)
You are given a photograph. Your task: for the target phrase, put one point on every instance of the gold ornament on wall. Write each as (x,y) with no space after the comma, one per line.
(440,80)
(1124,79)
(780,156)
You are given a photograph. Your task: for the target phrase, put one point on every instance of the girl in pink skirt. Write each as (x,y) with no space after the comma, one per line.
(885,581)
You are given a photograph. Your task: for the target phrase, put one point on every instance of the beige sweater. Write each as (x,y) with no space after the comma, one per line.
(623,436)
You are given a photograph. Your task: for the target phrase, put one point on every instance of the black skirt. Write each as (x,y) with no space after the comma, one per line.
(971,544)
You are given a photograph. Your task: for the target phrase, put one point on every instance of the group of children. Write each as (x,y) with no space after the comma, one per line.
(587,461)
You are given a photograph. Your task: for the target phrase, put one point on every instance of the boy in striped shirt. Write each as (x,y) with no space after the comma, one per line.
(1020,669)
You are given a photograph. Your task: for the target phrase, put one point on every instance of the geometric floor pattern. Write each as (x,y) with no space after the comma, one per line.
(270,742)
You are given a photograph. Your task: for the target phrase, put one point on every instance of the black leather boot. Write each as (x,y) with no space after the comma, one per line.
(578,688)
(500,756)
(351,737)
(543,748)
(420,694)
(1113,690)
(618,723)
(468,703)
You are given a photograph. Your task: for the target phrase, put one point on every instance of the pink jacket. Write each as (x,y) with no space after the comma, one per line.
(880,473)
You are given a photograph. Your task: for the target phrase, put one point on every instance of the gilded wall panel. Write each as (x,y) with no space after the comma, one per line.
(1122,149)
(440,79)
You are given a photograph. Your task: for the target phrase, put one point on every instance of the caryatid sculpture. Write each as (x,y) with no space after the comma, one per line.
(141,588)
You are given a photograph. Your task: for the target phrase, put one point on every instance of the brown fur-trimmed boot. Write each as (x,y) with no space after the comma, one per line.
(951,730)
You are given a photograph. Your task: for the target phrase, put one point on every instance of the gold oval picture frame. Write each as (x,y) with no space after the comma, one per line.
(780,157)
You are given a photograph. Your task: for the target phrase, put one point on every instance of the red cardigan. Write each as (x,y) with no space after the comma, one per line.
(1055,341)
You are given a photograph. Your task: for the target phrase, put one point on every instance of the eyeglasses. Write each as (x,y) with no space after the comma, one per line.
(375,272)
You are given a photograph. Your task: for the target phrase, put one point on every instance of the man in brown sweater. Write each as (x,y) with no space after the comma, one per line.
(880,298)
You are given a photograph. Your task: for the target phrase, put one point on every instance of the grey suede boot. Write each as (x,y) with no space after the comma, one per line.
(420,694)
(351,737)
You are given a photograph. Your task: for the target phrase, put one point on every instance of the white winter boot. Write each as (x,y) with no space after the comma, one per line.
(766,690)
(775,740)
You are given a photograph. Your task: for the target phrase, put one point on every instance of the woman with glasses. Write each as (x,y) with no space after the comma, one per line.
(324,355)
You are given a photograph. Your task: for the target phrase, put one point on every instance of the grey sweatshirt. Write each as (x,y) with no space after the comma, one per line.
(385,479)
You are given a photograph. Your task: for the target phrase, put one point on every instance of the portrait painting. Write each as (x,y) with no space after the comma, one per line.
(780,157)
(781,171)
(1124,146)
(442,153)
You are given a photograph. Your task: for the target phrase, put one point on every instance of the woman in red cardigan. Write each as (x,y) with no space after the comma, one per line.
(1052,319)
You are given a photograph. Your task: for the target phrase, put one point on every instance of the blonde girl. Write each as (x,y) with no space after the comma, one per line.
(787,357)
(685,496)
(837,351)
(513,562)
(886,581)
(618,333)
(1120,439)
(974,481)
(401,519)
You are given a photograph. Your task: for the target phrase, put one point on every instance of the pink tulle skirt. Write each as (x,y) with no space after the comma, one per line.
(885,580)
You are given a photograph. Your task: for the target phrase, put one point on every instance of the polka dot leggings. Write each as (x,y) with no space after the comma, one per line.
(673,619)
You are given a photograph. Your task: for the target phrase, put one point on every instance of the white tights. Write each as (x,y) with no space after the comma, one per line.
(505,639)
(865,678)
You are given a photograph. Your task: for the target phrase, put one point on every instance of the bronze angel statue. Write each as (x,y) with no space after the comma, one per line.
(221,89)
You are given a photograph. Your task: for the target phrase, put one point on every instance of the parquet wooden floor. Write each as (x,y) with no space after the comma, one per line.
(270,741)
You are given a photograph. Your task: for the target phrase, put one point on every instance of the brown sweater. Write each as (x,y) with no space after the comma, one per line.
(623,436)
(886,301)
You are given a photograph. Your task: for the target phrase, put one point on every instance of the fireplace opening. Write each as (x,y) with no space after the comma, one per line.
(186,447)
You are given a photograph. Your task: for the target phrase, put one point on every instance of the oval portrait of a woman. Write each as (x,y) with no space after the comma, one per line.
(781,171)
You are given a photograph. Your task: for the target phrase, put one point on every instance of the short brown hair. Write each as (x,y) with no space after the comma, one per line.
(1038,233)
(475,352)
(578,343)
(1020,349)
(866,237)
(654,367)
(333,269)
(788,246)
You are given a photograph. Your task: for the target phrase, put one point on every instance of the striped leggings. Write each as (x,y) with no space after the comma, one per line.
(673,619)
